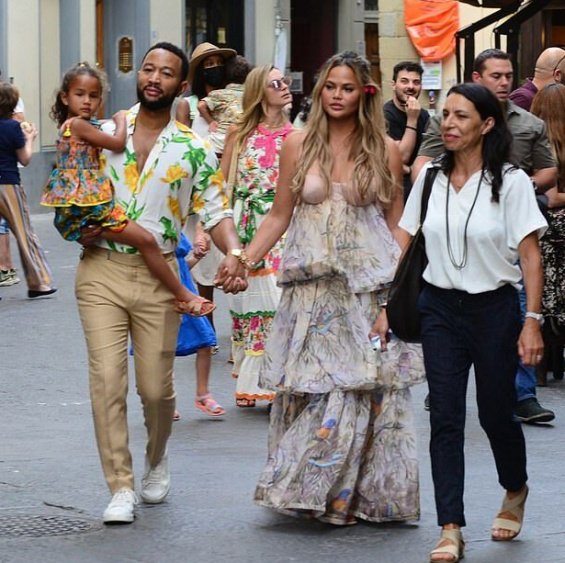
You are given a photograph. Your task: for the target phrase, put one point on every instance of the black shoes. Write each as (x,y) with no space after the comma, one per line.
(529,410)
(33,293)
(427,402)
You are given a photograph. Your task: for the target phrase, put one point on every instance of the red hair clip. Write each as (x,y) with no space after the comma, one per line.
(370,89)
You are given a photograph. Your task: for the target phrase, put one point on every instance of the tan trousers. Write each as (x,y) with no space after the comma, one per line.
(118,296)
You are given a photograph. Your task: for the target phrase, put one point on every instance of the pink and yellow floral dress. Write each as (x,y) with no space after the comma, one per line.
(78,190)
(253,310)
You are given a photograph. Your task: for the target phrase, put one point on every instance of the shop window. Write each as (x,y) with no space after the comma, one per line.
(216,21)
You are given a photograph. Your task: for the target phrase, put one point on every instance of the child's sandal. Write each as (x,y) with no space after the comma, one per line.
(514,506)
(197,307)
(450,543)
(207,404)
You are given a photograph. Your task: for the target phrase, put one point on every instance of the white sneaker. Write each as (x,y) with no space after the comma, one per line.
(156,482)
(121,507)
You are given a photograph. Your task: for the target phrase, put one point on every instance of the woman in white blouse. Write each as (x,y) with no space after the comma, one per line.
(482,217)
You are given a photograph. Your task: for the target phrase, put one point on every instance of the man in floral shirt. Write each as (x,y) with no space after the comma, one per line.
(164,174)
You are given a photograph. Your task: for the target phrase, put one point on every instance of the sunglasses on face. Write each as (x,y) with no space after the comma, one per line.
(280,83)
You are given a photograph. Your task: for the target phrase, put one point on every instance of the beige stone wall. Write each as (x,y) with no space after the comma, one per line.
(49,72)
(167,21)
(36,68)
(395,45)
(87,30)
(264,36)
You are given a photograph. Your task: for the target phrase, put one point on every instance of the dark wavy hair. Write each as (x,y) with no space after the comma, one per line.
(59,111)
(408,66)
(497,142)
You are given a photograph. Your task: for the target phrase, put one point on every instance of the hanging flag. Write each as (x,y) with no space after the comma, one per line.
(431,25)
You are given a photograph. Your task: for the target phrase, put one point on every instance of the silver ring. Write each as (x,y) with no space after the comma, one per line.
(538,358)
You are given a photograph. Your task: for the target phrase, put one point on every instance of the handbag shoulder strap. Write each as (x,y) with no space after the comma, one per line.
(429,180)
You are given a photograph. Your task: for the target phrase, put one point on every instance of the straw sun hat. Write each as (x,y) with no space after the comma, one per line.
(205,50)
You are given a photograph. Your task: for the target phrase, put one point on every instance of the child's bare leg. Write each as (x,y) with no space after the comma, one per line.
(203,365)
(204,400)
(138,237)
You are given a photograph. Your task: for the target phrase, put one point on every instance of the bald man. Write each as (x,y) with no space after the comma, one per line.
(550,68)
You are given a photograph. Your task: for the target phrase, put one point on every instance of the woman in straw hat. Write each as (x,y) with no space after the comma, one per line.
(206,73)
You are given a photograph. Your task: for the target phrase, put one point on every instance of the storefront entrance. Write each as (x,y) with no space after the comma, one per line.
(216,21)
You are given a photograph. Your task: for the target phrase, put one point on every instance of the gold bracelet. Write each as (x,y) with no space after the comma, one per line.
(241,255)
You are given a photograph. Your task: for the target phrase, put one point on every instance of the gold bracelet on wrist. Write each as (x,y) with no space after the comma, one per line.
(241,255)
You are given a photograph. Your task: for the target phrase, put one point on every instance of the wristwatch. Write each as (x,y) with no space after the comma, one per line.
(241,255)
(536,316)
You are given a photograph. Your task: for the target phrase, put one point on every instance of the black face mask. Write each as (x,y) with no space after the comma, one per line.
(214,76)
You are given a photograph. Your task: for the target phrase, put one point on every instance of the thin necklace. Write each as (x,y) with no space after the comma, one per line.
(459,265)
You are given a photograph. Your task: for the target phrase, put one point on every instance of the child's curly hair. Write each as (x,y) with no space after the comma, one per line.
(59,111)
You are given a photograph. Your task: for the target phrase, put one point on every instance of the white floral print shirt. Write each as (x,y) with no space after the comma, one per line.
(181,176)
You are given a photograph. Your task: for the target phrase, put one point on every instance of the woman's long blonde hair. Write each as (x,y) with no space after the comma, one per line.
(252,103)
(549,105)
(371,175)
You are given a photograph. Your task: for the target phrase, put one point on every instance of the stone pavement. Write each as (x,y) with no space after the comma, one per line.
(50,474)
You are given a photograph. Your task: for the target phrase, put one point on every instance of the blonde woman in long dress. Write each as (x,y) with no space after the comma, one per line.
(341,442)
(251,157)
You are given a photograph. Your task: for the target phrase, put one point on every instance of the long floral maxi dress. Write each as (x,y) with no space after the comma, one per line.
(252,311)
(553,253)
(341,441)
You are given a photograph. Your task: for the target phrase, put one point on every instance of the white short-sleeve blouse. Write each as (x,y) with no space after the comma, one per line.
(494,232)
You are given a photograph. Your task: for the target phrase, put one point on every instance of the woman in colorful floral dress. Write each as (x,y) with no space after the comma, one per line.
(251,157)
(341,442)
(549,105)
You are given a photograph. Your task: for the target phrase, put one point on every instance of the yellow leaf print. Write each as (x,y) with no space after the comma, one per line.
(146,177)
(184,129)
(217,179)
(174,172)
(174,207)
(197,203)
(225,201)
(102,161)
(131,176)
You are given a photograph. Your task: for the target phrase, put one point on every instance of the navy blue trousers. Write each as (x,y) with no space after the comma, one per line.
(460,329)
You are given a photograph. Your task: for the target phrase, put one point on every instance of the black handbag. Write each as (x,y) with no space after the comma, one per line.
(402,309)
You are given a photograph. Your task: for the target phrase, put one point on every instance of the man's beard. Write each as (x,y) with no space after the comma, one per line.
(401,98)
(153,105)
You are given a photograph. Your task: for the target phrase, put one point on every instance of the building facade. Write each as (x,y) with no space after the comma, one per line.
(40,39)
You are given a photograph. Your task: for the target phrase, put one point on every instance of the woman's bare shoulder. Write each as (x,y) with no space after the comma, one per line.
(295,138)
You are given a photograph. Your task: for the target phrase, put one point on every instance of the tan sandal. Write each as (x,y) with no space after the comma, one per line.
(450,543)
(514,506)
(197,307)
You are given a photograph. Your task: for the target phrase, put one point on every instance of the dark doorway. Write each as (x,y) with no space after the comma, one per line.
(216,21)
(313,40)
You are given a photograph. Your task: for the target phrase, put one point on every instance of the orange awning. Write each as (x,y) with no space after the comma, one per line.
(431,25)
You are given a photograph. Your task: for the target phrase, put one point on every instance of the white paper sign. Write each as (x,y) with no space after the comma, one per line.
(431,79)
